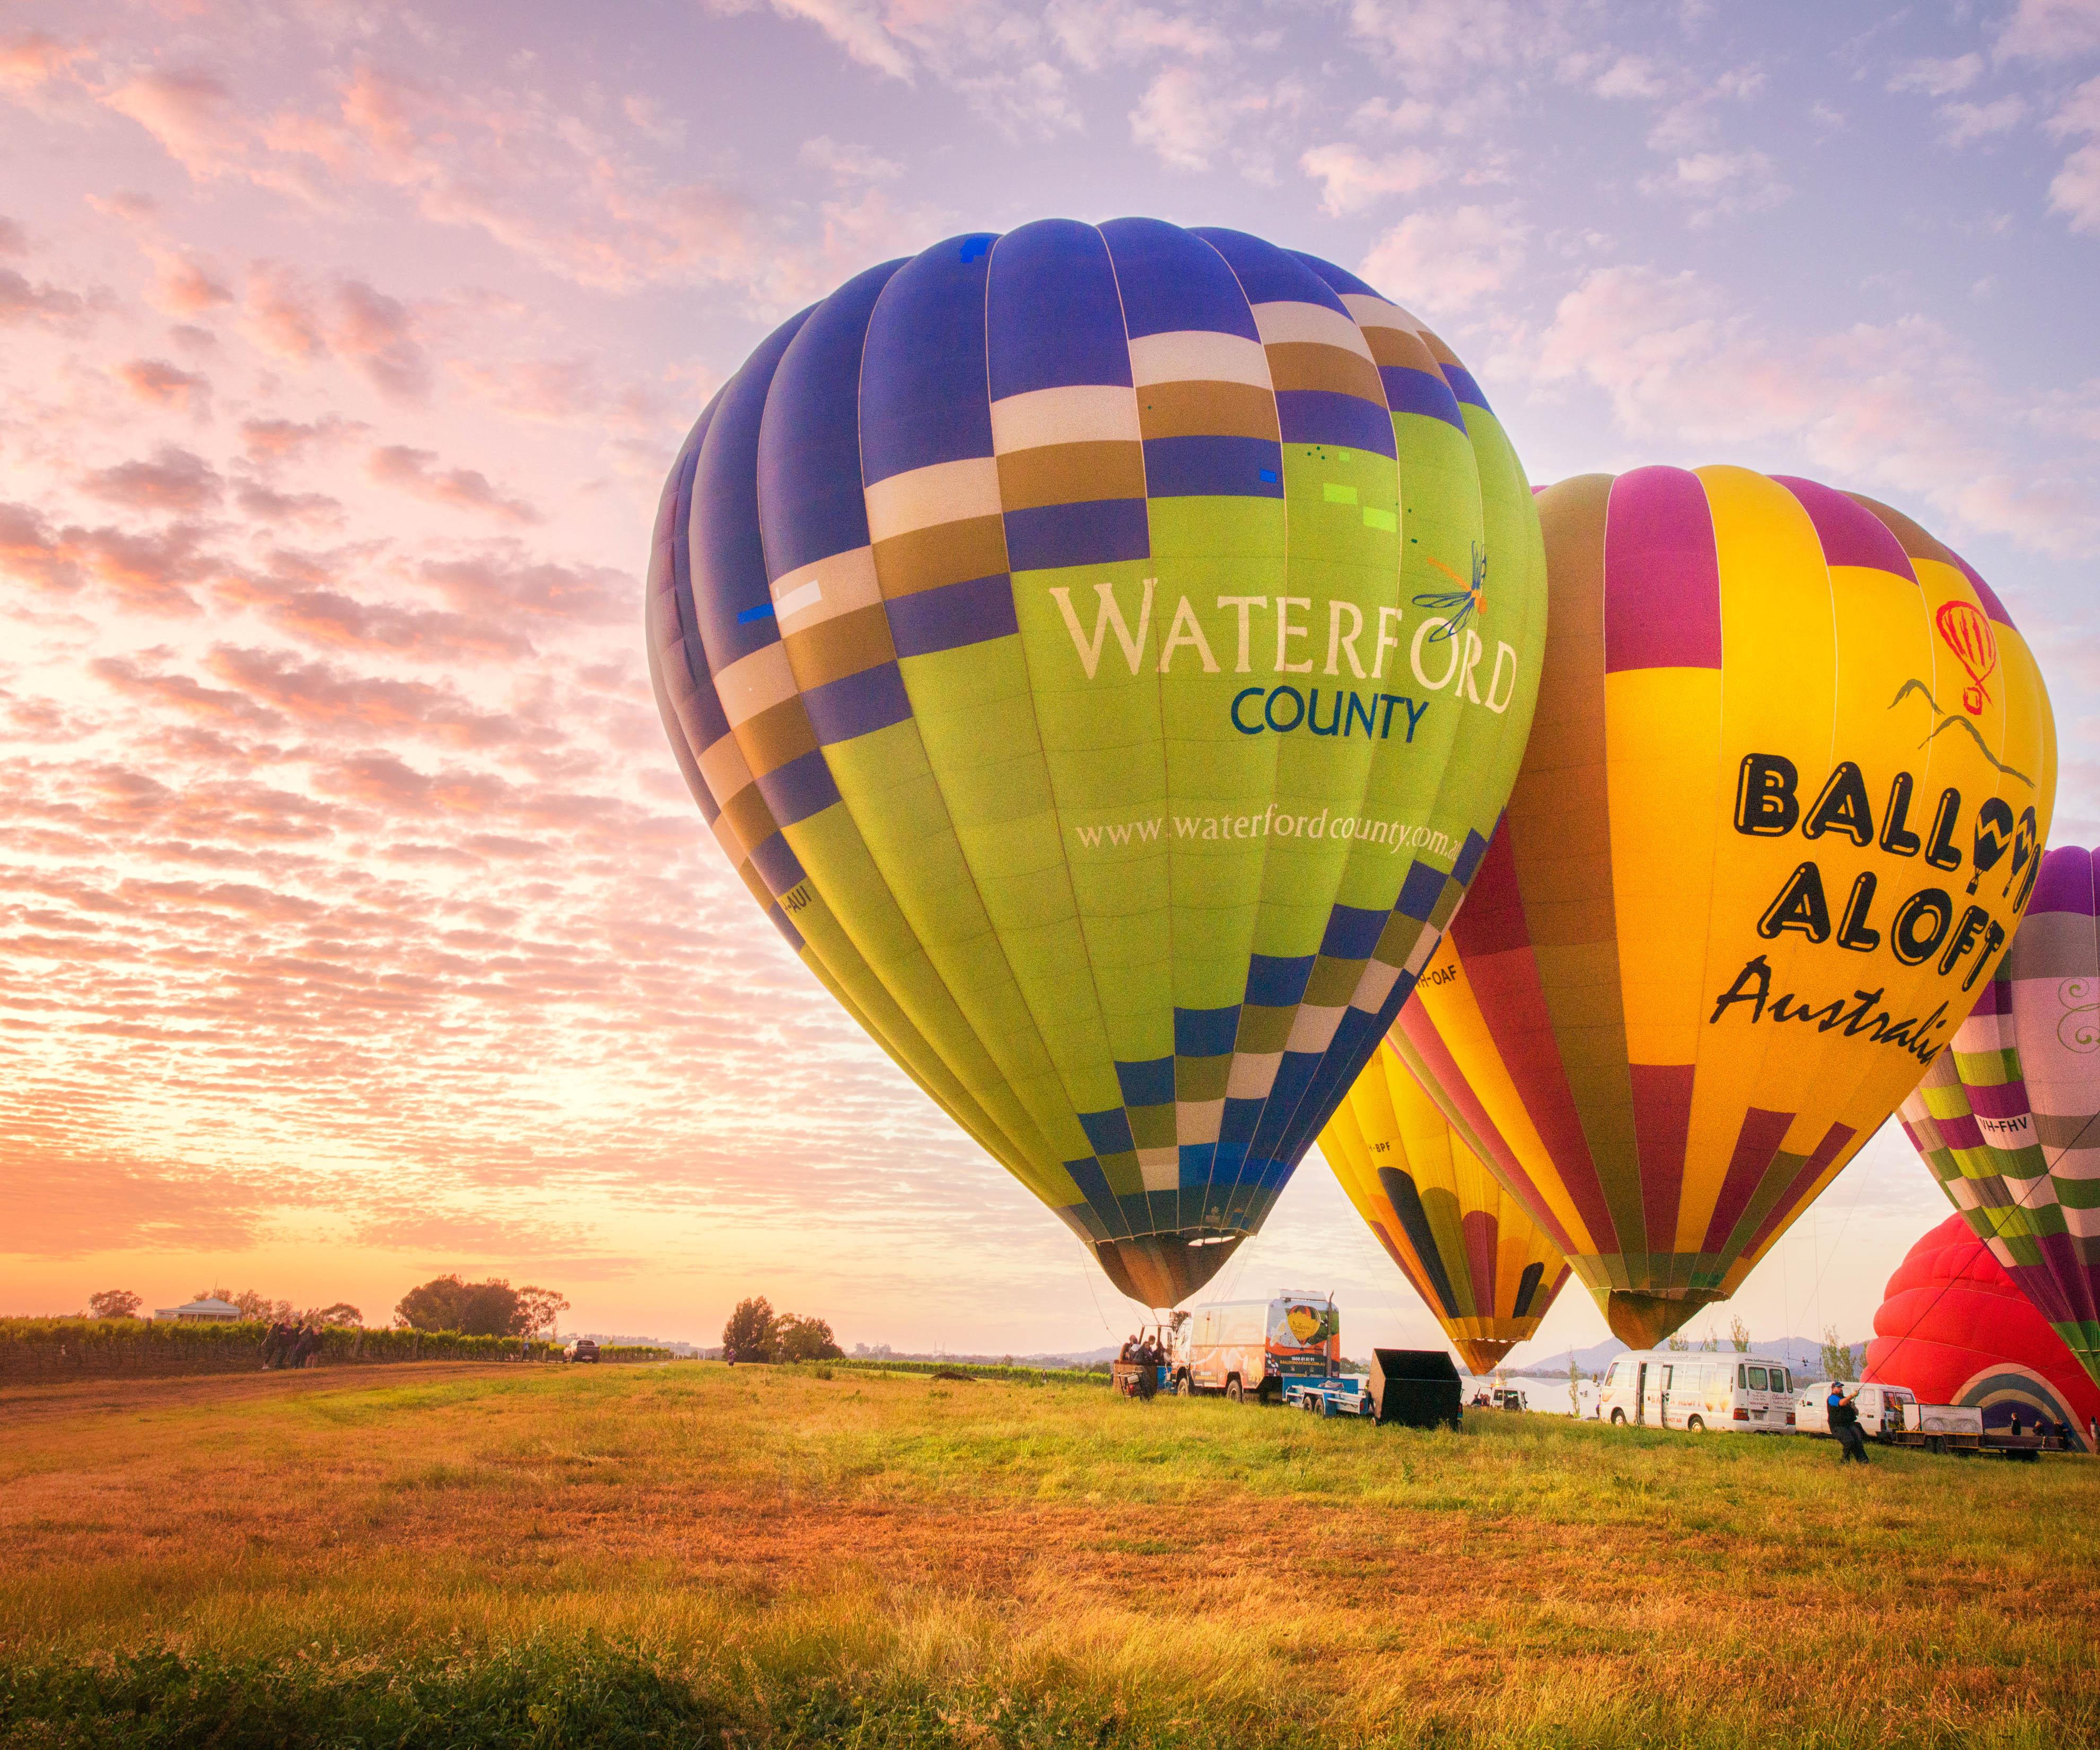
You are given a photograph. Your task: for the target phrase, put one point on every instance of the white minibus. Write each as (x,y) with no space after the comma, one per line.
(1697,1390)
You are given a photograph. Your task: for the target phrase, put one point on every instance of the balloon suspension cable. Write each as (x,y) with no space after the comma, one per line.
(1842,1226)
(1096,1300)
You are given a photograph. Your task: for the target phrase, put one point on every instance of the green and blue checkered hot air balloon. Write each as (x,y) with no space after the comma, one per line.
(1104,652)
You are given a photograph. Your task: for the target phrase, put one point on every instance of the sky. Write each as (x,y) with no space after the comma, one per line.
(357,926)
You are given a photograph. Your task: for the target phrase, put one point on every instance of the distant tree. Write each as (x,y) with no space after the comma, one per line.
(750,1329)
(538,1308)
(340,1313)
(1710,1346)
(1739,1334)
(1836,1359)
(473,1309)
(799,1339)
(1678,1342)
(114,1303)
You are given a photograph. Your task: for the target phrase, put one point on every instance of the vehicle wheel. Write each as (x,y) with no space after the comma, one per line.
(1618,1418)
(1697,1424)
(1185,1388)
(1232,1391)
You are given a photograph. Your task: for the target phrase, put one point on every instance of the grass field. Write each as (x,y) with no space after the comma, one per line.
(686,1554)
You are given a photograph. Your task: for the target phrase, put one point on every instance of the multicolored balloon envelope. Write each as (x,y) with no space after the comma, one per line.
(1104,652)
(1785,799)
(1954,1329)
(1486,1268)
(2008,1117)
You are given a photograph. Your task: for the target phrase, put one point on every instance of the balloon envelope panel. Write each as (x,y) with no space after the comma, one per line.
(1483,1266)
(2008,1118)
(1774,827)
(1104,652)
(1953,1327)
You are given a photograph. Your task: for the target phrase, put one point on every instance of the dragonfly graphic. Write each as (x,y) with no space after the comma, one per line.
(1455,606)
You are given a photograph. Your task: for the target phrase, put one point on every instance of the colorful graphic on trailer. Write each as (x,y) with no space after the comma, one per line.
(1784,806)
(1104,652)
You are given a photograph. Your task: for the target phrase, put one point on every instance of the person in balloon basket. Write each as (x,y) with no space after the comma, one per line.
(1845,1424)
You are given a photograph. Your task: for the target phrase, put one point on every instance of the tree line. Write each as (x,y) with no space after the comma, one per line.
(492,1308)
(756,1332)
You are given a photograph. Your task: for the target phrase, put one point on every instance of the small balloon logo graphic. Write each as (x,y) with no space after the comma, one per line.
(1968,634)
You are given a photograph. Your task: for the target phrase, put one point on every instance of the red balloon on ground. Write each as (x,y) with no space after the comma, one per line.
(1953,1327)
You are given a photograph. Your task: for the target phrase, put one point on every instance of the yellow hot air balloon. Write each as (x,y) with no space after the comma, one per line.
(1486,1268)
(1784,804)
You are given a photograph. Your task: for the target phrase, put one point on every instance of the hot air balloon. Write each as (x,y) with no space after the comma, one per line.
(1103,653)
(2008,1118)
(1759,862)
(1955,1329)
(1483,1266)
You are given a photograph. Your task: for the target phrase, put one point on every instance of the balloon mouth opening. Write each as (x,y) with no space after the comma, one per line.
(1646,1321)
(1163,1269)
(1482,1358)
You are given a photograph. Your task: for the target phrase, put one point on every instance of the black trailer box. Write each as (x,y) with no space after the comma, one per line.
(1418,1388)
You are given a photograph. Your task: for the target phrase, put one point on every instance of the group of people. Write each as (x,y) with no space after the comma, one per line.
(290,1344)
(1147,1357)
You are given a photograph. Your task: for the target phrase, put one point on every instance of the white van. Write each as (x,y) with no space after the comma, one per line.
(1884,1410)
(1698,1390)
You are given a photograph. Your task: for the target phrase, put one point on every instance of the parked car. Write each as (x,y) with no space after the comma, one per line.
(582,1349)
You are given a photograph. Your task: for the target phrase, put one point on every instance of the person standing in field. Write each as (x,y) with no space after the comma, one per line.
(1845,1424)
(729,1353)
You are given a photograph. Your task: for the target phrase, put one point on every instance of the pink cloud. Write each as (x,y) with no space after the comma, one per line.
(323,696)
(59,1203)
(502,584)
(161,384)
(269,442)
(30,552)
(192,112)
(331,618)
(376,333)
(175,480)
(22,301)
(29,62)
(281,314)
(184,694)
(184,287)
(266,504)
(410,471)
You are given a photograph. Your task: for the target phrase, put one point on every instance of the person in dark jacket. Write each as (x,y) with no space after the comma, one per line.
(309,1340)
(1845,1425)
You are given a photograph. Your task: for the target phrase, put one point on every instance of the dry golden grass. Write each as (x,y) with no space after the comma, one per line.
(976,1557)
